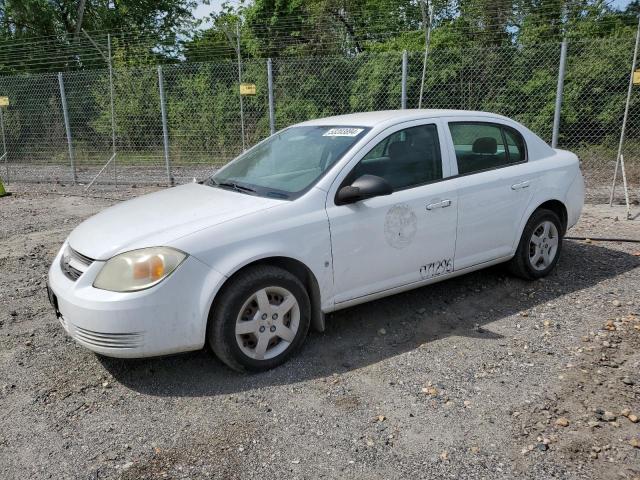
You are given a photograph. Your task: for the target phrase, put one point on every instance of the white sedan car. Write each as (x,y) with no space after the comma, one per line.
(321,216)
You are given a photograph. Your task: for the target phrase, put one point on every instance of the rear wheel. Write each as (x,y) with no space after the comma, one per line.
(260,318)
(539,247)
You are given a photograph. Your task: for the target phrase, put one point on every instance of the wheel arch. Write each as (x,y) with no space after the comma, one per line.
(295,267)
(553,204)
(559,208)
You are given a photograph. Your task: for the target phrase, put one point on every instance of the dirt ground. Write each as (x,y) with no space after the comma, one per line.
(482,376)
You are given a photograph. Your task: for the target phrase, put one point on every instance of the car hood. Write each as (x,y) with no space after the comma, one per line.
(160,217)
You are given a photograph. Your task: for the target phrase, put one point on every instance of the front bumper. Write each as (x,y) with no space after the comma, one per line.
(170,317)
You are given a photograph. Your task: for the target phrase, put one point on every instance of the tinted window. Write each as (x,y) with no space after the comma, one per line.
(406,158)
(515,144)
(481,146)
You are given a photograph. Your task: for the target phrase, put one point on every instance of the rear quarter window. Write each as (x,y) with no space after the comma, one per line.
(516,145)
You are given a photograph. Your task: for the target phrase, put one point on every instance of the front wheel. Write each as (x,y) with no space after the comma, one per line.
(539,247)
(260,318)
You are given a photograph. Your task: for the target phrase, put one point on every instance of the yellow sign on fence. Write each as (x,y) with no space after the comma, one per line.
(636,77)
(247,89)
(4,101)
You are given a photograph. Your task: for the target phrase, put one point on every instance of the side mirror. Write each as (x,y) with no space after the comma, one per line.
(366,186)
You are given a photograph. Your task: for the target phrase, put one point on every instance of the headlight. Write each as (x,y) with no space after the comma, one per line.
(138,269)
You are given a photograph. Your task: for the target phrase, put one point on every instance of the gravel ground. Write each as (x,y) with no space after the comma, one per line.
(482,376)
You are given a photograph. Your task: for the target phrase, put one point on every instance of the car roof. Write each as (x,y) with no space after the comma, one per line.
(371,119)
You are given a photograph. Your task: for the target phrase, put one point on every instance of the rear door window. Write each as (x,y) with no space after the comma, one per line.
(485,146)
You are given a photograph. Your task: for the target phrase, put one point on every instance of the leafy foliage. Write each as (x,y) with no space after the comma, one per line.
(329,57)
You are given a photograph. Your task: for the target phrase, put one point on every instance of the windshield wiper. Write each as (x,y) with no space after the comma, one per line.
(244,189)
(277,194)
(235,186)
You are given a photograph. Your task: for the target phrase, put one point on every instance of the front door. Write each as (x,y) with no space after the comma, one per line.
(403,238)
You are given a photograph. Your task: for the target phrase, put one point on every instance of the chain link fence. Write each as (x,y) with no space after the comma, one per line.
(595,92)
(207,122)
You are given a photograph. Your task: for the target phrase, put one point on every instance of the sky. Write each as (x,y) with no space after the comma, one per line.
(620,4)
(203,10)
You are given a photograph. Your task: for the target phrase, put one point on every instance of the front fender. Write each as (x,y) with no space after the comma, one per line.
(298,230)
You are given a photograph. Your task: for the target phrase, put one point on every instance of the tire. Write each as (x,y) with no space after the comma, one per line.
(260,318)
(540,246)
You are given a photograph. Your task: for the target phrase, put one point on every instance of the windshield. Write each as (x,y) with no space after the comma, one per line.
(289,162)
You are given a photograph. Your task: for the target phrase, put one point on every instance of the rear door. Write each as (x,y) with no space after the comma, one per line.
(494,188)
(406,237)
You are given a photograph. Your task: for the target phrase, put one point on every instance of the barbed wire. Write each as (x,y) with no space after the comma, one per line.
(284,24)
(69,51)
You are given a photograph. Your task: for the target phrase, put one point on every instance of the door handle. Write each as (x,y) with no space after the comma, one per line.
(518,186)
(442,204)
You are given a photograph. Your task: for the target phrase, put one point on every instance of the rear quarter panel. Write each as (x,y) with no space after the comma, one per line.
(557,177)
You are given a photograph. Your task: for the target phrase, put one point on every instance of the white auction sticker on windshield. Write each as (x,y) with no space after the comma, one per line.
(343,132)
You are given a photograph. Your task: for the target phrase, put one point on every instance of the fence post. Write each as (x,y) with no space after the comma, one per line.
(67,126)
(272,122)
(559,92)
(240,83)
(403,95)
(113,115)
(4,145)
(619,158)
(165,130)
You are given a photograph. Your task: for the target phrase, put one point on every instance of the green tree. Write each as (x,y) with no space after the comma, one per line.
(136,105)
(39,35)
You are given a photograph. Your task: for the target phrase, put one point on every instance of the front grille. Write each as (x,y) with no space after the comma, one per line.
(108,340)
(74,264)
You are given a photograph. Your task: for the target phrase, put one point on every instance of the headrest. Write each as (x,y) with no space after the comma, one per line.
(486,145)
(398,149)
(422,137)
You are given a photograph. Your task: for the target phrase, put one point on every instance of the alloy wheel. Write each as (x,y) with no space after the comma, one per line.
(543,245)
(267,323)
